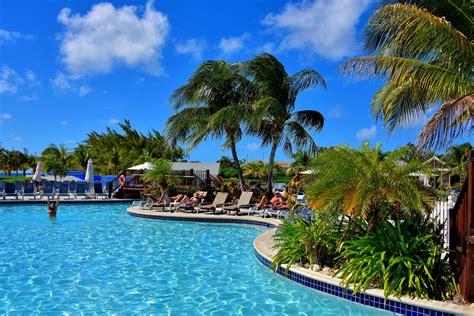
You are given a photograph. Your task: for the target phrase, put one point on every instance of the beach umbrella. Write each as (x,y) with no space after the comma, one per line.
(89,172)
(37,175)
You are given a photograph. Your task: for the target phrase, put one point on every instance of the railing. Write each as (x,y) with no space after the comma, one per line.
(461,235)
(441,214)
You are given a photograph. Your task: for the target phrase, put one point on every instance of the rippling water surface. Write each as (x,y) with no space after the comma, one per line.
(96,258)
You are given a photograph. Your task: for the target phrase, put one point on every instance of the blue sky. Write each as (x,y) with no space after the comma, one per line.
(70,67)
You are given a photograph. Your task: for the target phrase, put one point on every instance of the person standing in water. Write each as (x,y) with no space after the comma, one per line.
(53,207)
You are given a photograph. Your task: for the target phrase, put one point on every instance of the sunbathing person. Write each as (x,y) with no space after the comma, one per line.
(177,198)
(275,203)
(164,199)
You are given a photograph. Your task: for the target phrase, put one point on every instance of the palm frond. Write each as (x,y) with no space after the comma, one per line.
(454,118)
(406,30)
(309,119)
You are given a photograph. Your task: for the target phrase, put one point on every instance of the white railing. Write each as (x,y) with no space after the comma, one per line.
(441,213)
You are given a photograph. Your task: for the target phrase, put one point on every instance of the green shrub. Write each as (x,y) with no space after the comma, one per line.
(312,241)
(405,258)
(229,172)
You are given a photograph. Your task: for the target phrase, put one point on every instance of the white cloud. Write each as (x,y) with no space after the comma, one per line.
(84,90)
(5,117)
(113,121)
(231,45)
(252,147)
(266,48)
(64,83)
(11,81)
(106,36)
(194,47)
(9,36)
(16,138)
(366,133)
(324,27)
(336,112)
(27,98)
(63,122)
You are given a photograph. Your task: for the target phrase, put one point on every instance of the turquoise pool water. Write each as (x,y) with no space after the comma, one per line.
(96,258)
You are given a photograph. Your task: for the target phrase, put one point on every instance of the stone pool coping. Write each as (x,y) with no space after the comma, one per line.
(264,251)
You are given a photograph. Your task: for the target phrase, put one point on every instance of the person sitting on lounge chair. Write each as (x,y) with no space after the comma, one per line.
(164,199)
(275,203)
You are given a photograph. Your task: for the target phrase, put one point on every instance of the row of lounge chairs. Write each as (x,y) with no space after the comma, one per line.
(64,189)
(218,205)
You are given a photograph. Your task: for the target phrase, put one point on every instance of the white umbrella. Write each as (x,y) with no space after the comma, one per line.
(89,172)
(37,175)
(143,166)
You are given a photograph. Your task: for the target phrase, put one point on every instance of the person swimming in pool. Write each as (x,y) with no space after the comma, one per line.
(53,207)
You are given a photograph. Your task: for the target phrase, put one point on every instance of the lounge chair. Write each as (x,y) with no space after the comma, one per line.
(48,190)
(29,190)
(244,201)
(10,190)
(80,190)
(72,187)
(64,189)
(99,190)
(19,187)
(187,204)
(219,201)
(2,187)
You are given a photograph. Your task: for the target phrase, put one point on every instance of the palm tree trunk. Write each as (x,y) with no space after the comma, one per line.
(271,163)
(236,161)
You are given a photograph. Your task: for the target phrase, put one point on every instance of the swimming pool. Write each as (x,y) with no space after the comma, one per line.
(96,258)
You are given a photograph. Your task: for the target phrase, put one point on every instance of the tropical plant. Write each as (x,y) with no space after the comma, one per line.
(275,120)
(161,173)
(57,160)
(301,162)
(213,99)
(81,155)
(113,151)
(404,258)
(457,158)
(307,240)
(367,183)
(426,62)
(259,169)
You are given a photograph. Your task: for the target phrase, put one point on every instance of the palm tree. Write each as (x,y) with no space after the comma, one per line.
(301,161)
(81,155)
(57,160)
(275,120)
(427,61)
(215,88)
(161,173)
(254,170)
(458,157)
(367,183)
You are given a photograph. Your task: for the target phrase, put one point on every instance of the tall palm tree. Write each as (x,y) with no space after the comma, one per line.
(427,63)
(367,183)
(275,120)
(215,86)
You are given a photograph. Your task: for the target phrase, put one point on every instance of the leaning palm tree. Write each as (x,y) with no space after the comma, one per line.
(427,63)
(368,184)
(275,120)
(216,86)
